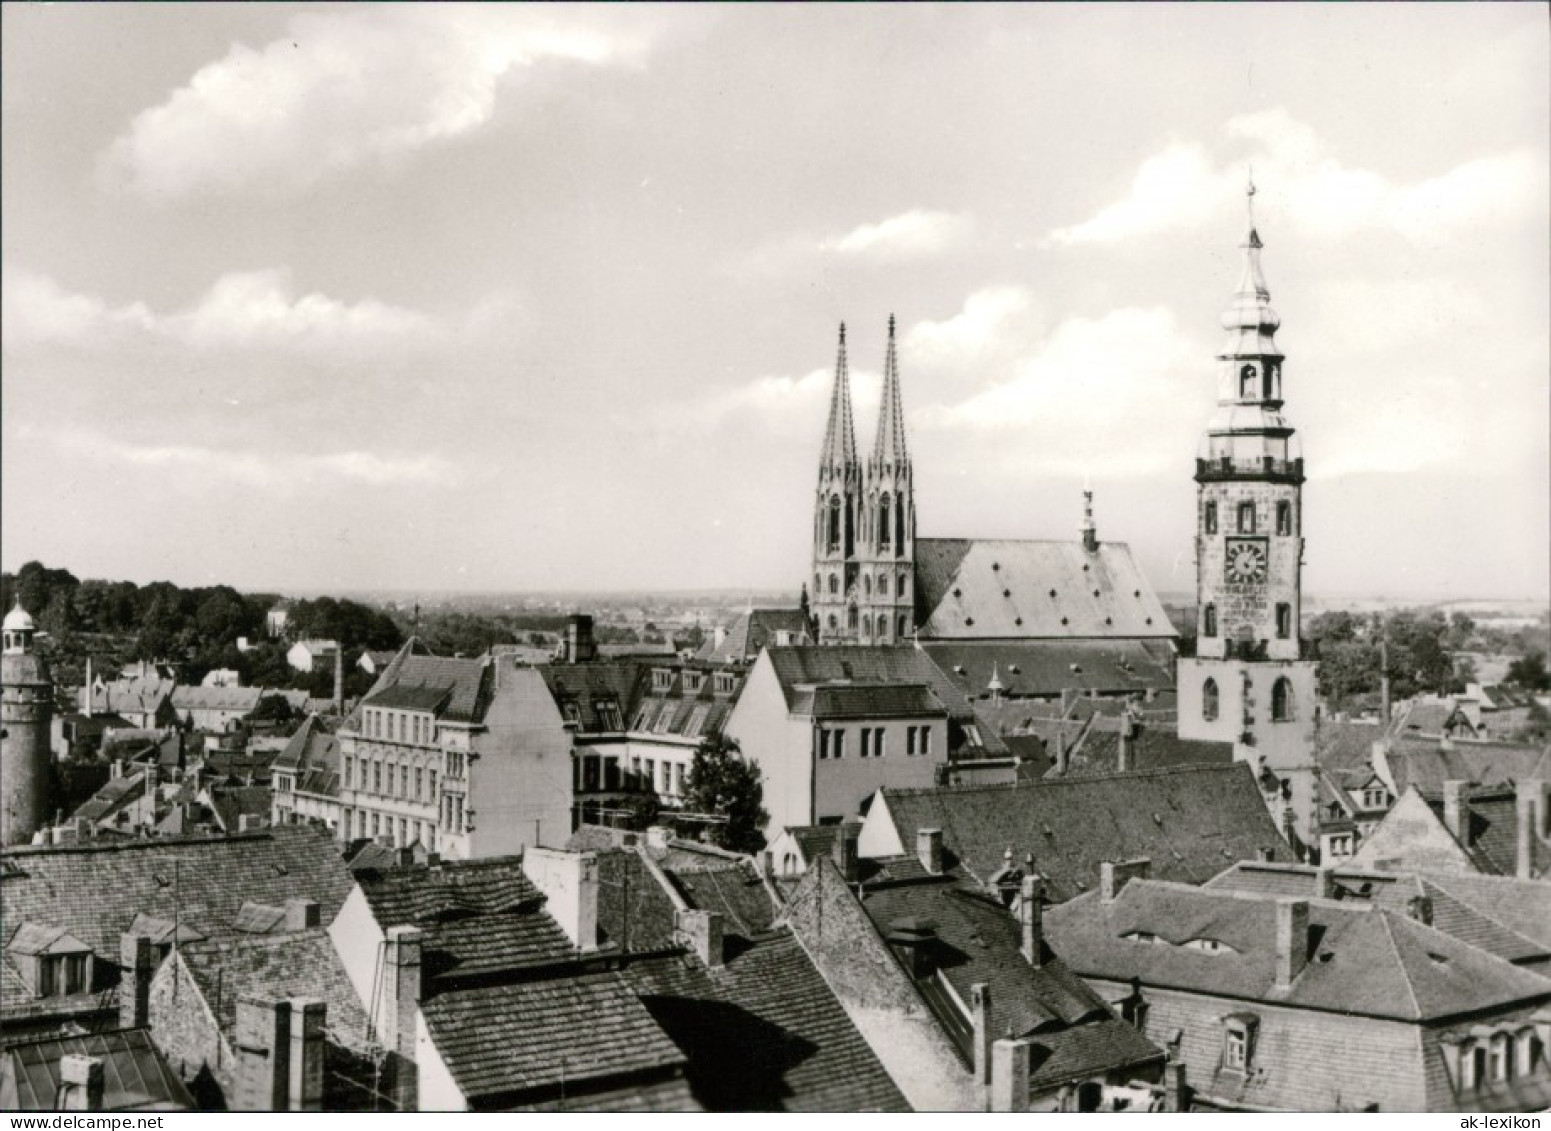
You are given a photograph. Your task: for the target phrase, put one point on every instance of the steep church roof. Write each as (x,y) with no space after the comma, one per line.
(1004,589)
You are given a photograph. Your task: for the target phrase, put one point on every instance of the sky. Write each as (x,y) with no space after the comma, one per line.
(512,297)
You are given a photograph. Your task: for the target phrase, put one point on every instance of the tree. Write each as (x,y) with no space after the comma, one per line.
(1529,672)
(723,782)
(272,708)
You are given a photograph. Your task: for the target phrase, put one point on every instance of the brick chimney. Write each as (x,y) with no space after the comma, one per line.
(137,959)
(980,1011)
(400,1003)
(702,932)
(1063,758)
(301,914)
(1176,1093)
(80,1082)
(305,1071)
(844,852)
(1125,750)
(929,850)
(1031,917)
(339,679)
(1010,1075)
(1114,877)
(1530,811)
(1292,940)
(263,1041)
(579,645)
(1456,812)
(569,881)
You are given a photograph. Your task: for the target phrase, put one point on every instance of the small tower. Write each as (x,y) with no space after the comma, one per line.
(887,552)
(1248,682)
(836,516)
(26,709)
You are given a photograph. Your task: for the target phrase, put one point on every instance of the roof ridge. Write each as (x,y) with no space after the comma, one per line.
(1387,919)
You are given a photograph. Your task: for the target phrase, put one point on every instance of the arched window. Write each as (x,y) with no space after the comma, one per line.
(1209,700)
(834,583)
(904,583)
(885,522)
(1209,621)
(818,585)
(866,628)
(1246,518)
(883,585)
(899,529)
(1281,701)
(867,585)
(1247,382)
(851,617)
(883,628)
(1284,517)
(834,522)
(904,629)
(833,623)
(1283,621)
(1209,519)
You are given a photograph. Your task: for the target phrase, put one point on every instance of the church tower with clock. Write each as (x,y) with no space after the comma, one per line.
(1249,682)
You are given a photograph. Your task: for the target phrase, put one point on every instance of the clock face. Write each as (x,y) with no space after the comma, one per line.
(1246,560)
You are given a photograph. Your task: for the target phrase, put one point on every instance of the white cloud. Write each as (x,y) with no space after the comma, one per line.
(990,317)
(915,233)
(1187,185)
(289,472)
(241,310)
(344,88)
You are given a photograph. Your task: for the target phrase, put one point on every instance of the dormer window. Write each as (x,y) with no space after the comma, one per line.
(1239,1041)
(693,682)
(607,711)
(572,711)
(662,679)
(53,962)
(725,683)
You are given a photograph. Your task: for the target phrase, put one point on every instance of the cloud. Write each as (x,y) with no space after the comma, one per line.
(918,232)
(241,311)
(989,318)
(268,470)
(1187,185)
(345,88)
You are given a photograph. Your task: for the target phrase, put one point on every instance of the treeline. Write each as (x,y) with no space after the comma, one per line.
(197,629)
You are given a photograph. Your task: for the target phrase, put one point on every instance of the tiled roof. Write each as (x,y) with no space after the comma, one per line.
(621,683)
(410,697)
(1097,749)
(1029,668)
(580,1032)
(134,1075)
(114,795)
(752,631)
(1001,589)
(733,888)
(1506,917)
(1190,821)
(95,889)
(190,698)
(468,682)
(875,700)
(667,1095)
(312,747)
(764,1032)
(1362,960)
(138,695)
(1494,830)
(281,966)
(233,802)
(478,916)
(634,913)
(1427,762)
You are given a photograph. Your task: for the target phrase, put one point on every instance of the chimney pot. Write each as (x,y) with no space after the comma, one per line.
(137,958)
(569,881)
(1456,812)
(929,850)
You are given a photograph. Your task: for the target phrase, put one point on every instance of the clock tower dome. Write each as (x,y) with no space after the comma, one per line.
(1249,682)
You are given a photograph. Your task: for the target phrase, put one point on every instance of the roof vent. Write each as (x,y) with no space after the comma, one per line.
(1157,820)
(1052,592)
(1149,620)
(1111,620)
(958,669)
(1006,592)
(1095,592)
(1017,620)
(1136,593)
(969,620)
(996,565)
(1063,620)
(1015,669)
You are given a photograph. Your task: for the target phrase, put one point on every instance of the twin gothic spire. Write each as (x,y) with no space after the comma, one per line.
(840,435)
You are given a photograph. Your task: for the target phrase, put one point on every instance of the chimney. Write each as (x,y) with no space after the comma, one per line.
(1456,812)
(1090,532)
(1010,1075)
(248,822)
(263,1041)
(137,958)
(579,645)
(569,881)
(305,1071)
(1324,884)
(701,931)
(1292,940)
(980,1010)
(301,914)
(1384,696)
(339,679)
(1265,855)
(658,836)
(718,636)
(1031,915)
(1176,1093)
(86,692)
(1529,809)
(1063,760)
(80,1082)
(844,852)
(400,1004)
(1114,877)
(1125,756)
(929,850)
(116,769)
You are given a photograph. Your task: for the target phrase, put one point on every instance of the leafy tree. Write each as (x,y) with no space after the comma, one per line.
(723,782)
(641,810)
(1529,672)
(272,708)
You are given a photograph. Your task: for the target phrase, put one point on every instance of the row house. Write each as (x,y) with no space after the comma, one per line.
(467,757)
(304,778)
(1310,1004)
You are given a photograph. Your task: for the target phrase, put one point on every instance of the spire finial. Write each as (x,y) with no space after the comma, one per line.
(891,325)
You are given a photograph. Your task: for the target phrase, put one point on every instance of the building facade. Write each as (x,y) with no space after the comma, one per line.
(1250,682)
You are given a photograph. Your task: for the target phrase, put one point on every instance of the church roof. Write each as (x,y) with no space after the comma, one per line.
(1003,589)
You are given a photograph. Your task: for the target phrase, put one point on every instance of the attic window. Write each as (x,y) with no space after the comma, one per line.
(1109,620)
(1015,669)
(1149,620)
(969,620)
(1136,593)
(1438,958)
(1085,567)
(1075,668)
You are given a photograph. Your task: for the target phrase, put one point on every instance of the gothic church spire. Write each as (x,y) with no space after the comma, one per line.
(840,436)
(889,448)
